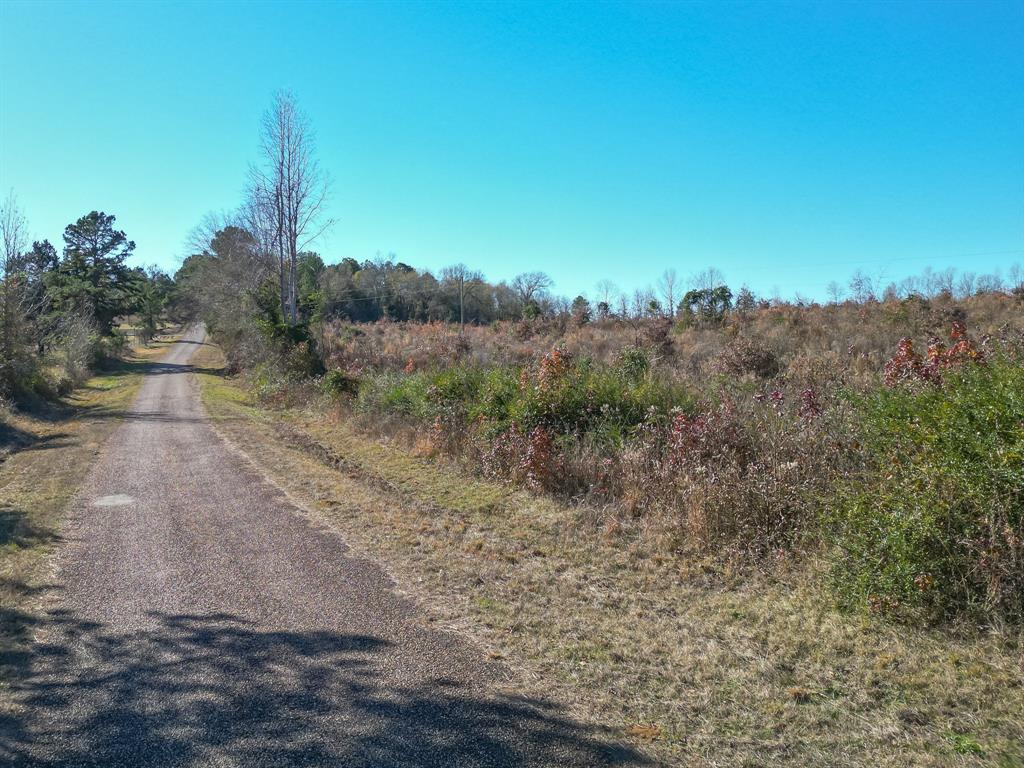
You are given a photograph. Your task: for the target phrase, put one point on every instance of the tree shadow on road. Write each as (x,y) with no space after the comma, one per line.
(55,411)
(216,689)
(154,367)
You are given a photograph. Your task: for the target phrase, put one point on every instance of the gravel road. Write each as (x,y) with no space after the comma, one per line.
(198,618)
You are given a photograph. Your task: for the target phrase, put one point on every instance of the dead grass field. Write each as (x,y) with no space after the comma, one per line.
(46,451)
(701,666)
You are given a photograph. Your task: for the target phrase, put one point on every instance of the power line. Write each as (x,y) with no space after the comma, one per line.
(904,259)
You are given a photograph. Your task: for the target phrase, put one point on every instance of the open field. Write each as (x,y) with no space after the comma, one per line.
(882,439)
(708,661)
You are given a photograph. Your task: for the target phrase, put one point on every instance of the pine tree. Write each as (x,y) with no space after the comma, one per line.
(92,278)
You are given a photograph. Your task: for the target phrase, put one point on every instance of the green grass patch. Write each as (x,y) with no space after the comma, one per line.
(963,744)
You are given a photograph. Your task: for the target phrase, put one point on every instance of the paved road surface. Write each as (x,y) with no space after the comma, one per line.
(201,620)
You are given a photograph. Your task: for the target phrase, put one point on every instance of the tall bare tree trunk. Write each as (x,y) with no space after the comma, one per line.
(292,183)
(13,308)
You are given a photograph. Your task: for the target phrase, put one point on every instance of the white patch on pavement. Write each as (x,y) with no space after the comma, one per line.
(117,500)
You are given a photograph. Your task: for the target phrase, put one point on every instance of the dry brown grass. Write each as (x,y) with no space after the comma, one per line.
(704,668)
(850,340)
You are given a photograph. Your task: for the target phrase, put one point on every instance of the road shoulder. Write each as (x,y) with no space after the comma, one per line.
(46,452)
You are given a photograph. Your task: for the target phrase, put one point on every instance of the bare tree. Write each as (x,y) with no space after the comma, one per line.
(633,309)
(461,279)
(642,304)
(623,303)
(965,285)
(707,279)
(606,289)
(945,280)
(911,286)
(288,193)
(530,285)
(13,233)
(13,293)
(199,237)
(835,292)
(993,283)
(862,288)
(1016,277)
(264,218)
(667,287)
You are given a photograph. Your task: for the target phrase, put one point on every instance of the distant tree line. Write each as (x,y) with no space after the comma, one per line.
(385,288)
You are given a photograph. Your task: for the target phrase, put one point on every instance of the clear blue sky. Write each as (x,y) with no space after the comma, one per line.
(786,144)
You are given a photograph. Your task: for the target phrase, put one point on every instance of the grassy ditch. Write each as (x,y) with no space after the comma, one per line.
(705,667)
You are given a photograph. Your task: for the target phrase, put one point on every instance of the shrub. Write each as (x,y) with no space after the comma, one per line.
(458,384)
(78,347)
(528,459)
(519,421)
(269,384)
(634,363)
(63,386)
(113,346)
(935,527)
(393,393)
(743,355)
(656,335)
(301,359)
(498,399)
(824,371)
(744,478)
(337,383)
(913,465)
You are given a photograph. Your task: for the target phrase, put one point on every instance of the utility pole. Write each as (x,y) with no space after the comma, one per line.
(462,302)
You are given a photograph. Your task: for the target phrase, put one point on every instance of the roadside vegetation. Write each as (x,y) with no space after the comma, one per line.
(749,530)
(905,474)
(63,314)
(817,431)
(701,657)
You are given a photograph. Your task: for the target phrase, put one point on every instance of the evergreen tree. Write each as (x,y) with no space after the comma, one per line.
(92,278)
